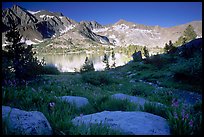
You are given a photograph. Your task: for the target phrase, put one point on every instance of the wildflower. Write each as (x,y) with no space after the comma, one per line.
(52,104)
(175,103)
(191,123)
(175,115)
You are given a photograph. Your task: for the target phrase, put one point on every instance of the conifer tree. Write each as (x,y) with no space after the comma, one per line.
(189,33)
(21,56)
(113,58)
(146,52)
(105,60)
(88,66)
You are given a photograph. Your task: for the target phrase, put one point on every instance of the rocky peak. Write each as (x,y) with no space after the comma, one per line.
(122,21)
(17,15)
(17,8)
(91,24)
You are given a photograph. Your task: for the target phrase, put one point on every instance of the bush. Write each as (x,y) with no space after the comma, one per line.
(117,105)
(50,69)
(154,109)
(97,78)
(141,89)
(189,70)
(160,61)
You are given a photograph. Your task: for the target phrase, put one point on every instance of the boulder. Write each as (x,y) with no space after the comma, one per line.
(20,122)
(137,56)
(129,123)
(75,100)
(136,100)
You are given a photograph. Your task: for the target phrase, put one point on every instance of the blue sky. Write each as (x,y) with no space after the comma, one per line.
(164,14)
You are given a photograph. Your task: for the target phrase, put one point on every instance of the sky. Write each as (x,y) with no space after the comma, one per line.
(164,14)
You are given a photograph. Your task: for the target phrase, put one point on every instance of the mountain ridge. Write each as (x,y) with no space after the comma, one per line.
(36,26)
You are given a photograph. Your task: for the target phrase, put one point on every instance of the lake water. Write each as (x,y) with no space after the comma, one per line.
(72,62)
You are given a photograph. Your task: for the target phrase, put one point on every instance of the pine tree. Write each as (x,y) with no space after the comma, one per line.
(146,52)
(88,66)
(105,60)
(189,33)
(21,56)
(169,48)
(166,48)
(113,58)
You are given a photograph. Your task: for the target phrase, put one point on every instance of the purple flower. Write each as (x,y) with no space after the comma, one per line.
(185,117)
(175,115)
(191,123)
(174,103)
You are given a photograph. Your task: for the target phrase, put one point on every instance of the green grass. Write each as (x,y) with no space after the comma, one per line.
(97,87)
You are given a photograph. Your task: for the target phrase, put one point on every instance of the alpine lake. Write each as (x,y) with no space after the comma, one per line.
(73,61)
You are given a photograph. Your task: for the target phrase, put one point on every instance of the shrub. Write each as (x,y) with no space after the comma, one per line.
(141,89)
(155,109)
(160,61)
(189,70)
(97,78)
(116,105)
(163,96)
(50,69)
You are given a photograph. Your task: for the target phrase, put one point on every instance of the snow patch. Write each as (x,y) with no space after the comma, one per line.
(121,27)
(112,36)
(33,12)
(29,42)
(48,16)
(67,28)
(100,30)
(38,40)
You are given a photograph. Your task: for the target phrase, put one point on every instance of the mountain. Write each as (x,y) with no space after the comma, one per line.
(61,31)
(125,33)
(36,26)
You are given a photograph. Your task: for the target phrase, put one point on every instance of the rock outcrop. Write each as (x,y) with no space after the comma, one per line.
(129,123)
(20,122)
(75,100)
(136,100)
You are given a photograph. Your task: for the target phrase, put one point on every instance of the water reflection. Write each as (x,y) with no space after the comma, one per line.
(74,61)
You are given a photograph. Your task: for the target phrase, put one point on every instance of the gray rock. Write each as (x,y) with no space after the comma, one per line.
(129,123)
(75,100)
(136,100)
(20,122)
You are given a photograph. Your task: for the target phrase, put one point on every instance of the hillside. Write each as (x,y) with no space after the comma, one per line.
(172,81)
